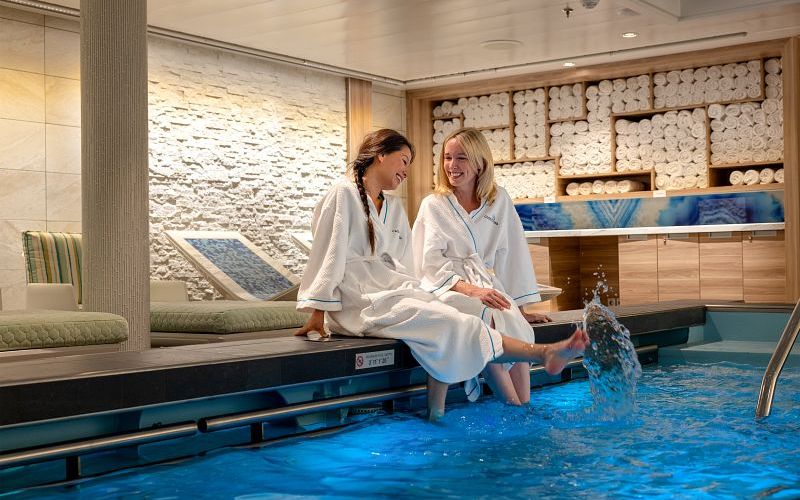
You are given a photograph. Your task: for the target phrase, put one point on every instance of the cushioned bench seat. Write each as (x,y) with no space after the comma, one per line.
(220,320)
(45,329)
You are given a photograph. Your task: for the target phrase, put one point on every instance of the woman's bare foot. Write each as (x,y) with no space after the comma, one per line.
(561,353)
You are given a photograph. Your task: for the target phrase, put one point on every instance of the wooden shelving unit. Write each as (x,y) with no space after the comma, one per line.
(717,174)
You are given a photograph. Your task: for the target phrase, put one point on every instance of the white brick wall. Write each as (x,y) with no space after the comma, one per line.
(237,144)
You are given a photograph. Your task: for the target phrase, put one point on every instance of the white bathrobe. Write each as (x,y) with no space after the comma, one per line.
(376,295)
(485,248)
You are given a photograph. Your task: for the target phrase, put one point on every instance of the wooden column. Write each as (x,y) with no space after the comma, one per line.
(114,171)
(420,131)
(359,114)
(791,165)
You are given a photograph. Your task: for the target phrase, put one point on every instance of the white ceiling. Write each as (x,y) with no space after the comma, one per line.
(421,42)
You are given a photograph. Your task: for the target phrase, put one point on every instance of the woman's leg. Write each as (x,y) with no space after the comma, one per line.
(554,357)
(437,394)
(520,375)
(501,383)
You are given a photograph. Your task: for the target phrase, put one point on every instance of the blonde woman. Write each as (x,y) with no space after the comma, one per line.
(359,280)
(468,241)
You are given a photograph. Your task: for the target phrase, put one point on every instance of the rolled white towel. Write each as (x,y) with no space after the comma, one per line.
(573,189)
(627,186)
(610,186)
(598,187)
(675,182)
(736,178)
(779,175)
(766,176)
(751,177)
(585,188)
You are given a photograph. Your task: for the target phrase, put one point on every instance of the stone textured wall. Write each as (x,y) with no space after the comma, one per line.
(237,144)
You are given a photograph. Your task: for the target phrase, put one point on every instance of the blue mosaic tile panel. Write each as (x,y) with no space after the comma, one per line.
(695,210)
(242,266)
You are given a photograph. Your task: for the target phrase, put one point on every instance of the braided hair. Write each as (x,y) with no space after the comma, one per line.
(380,142)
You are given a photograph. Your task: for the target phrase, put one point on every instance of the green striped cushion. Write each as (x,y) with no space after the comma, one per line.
(53,258)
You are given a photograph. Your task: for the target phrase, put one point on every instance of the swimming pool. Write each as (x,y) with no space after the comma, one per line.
(692,435)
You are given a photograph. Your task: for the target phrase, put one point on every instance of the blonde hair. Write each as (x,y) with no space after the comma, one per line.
(479,157)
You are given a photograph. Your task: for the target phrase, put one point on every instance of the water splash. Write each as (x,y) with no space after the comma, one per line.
(611,361)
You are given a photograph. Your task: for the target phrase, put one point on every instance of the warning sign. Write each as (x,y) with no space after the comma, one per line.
(375,359)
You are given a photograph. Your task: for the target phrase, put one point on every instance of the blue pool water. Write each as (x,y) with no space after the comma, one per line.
(692,435)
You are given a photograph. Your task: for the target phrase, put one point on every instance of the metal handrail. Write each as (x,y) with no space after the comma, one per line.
(776,362)
(97,444)
(240,419)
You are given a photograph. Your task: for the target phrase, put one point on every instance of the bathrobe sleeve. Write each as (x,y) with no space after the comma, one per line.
(435,271)
(319,288)
(513,266)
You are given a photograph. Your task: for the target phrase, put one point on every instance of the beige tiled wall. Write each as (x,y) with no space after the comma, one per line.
(39,126)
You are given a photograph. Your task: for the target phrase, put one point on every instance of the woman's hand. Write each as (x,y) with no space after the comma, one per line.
(315,323)
(489,296)
(535,317)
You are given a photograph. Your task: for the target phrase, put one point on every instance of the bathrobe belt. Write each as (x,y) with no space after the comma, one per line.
(475,270)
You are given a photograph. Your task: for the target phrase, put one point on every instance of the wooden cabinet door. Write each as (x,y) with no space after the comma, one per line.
(540,256)
(638,265)
(721,266)
(678,267)
(557,263)
(764,269)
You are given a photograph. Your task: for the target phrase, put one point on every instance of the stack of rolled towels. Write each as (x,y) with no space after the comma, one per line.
(566,102)
(746,132)
(752,176)
(603,187)
(498,143)
(530,123)
(671,143)
(527,179)
(618,96)
(728,82)
(486,110)
(750,131)
(441,130)
(479,111)
(583,151)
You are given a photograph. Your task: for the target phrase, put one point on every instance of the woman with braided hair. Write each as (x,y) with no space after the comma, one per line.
(360,272)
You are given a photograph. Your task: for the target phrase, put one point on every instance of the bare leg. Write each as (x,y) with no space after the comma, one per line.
(553,356)
(437,393)
(520,375)
(501,383)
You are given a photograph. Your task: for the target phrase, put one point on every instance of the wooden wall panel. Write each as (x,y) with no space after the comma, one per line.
(764,271)
(540,256)
(565,271)
(678,267)
(721,266)
(359,114)
(791,165)
(599,267)
(638,269)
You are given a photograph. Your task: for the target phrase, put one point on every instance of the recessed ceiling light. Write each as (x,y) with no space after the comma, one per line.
(630,34)
(500,44)
(569,64)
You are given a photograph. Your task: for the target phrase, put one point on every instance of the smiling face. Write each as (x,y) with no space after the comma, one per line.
(391,169)
(460,173)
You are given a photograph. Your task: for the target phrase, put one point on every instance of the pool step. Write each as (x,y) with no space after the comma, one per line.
(735,351)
